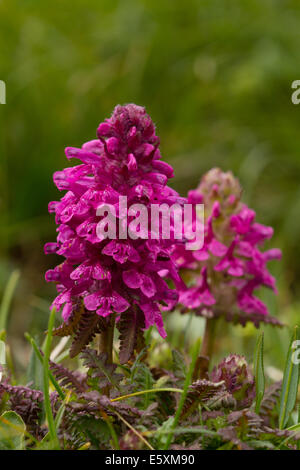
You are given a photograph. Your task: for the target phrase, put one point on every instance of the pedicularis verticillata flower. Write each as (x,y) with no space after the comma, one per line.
(230,266)
(238,379)
(117,275)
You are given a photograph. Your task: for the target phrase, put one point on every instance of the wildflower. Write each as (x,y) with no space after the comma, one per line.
(238,379)
(230,266)
(113,275)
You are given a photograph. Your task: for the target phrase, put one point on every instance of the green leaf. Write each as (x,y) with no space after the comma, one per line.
(290,384)
(258,367)
(163,432)
(142,379)
(101,369)
(35,371)
(294,427)
(12,431)
(40,358)
(188,379)
(165,429)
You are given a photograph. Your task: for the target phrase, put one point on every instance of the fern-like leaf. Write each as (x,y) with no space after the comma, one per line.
(93,403)
(67,378)
(248,423)
(89,325)
(69,328)
(21,391)
(270,399)
(27,403)
(131,333)
(200,391)
(100,369)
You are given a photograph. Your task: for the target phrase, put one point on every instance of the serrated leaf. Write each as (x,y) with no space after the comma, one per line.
(142,379)
(67,378)
(101,369)
(67,329)
(131,335)
(22,392)
(201,391)
(12,431)
(88,326)
(270,399)
(182,399)
(163,432)
(289,385)
(259,374)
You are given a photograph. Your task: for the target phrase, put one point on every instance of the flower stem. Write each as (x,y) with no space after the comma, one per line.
(106,339)
(208,338)
(152,390)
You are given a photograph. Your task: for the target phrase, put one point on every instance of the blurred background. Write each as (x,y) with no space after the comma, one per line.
(216,79)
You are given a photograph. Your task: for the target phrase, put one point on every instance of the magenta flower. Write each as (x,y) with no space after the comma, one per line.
(230,266)
(107,275)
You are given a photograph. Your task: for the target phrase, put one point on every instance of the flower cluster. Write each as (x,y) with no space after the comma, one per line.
(112,276)
(238,379)
(230,266)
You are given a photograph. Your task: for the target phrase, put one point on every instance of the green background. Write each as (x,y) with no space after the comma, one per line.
(216,78)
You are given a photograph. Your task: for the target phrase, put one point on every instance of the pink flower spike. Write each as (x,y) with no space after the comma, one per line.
(231,258)
(119,274)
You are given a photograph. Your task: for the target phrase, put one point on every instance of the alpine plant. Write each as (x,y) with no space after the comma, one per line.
(101,276)
(230,266)
(238,379)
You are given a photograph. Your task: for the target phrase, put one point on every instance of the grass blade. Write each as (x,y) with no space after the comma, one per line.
(290,384)
(137,433)
(47,403)
(7,298)
(259,374)
(41,359)
(2,358)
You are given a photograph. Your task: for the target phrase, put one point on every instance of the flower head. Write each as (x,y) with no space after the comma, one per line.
(238,379)
(231,265)
(113,275)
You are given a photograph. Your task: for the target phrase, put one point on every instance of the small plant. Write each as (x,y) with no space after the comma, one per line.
(119,398)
